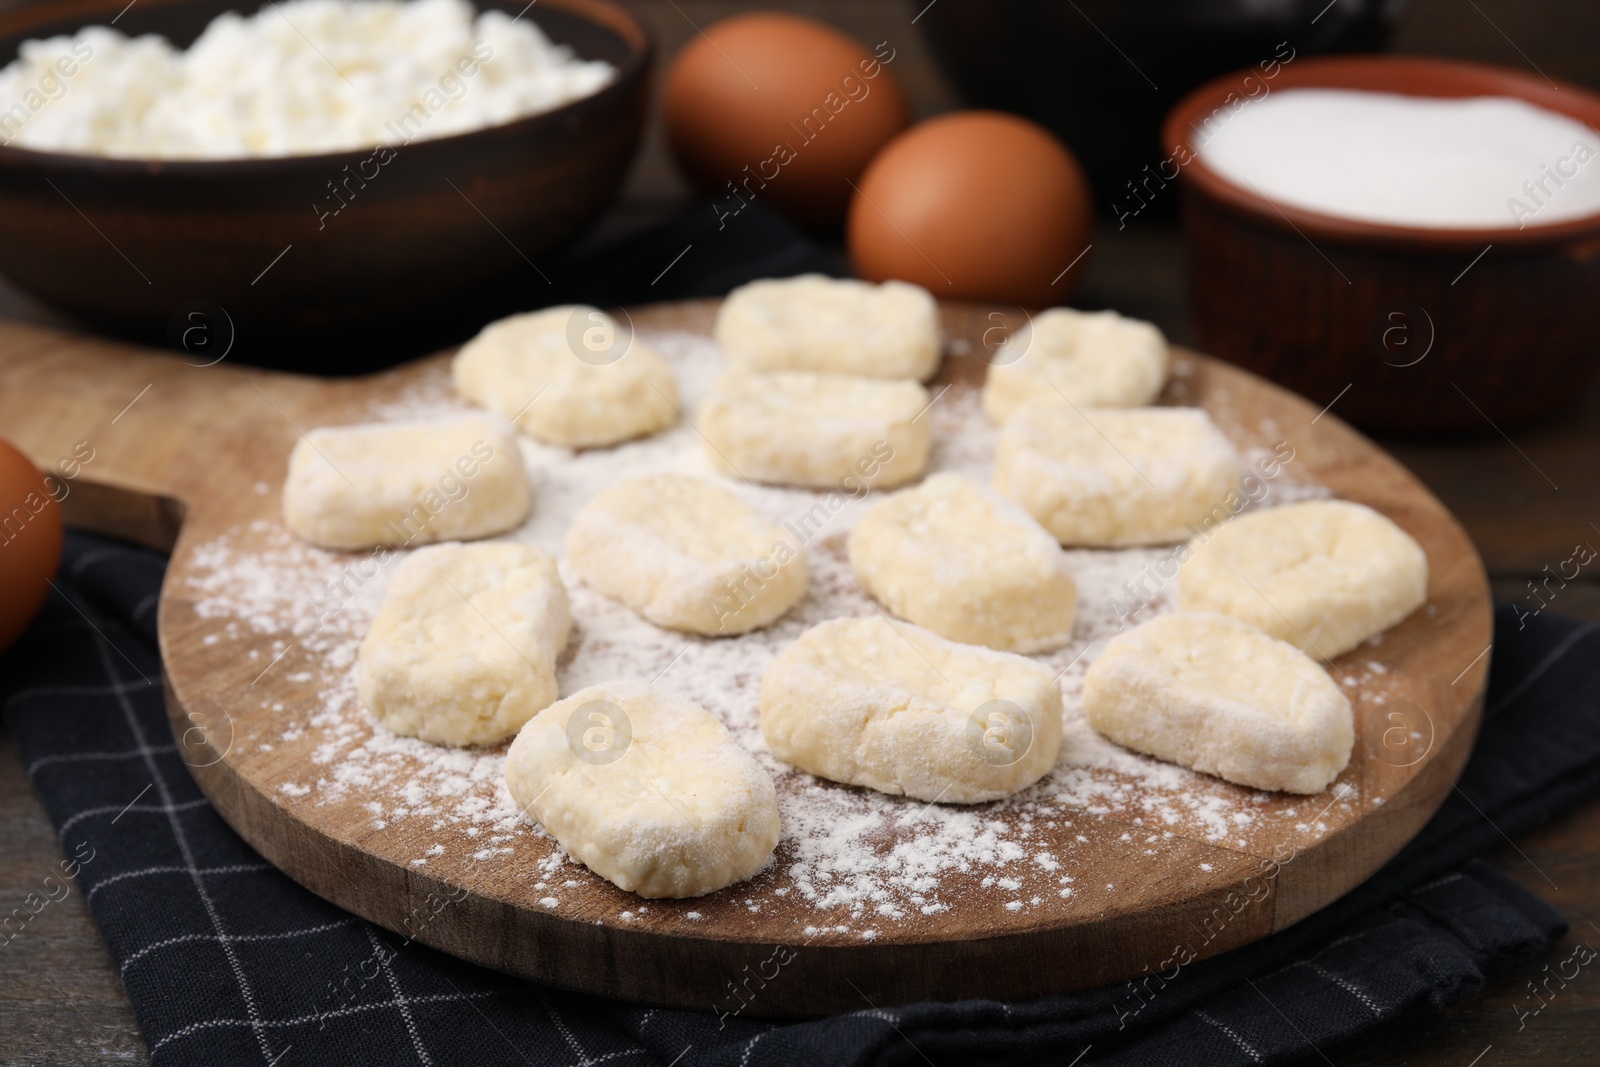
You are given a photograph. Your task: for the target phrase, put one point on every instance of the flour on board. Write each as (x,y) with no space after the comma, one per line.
(857,857)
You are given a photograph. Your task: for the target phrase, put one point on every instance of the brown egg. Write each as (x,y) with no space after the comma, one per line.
(30,542)
(975,205)
(781,109)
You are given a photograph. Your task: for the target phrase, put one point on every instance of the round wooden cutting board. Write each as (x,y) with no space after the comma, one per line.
(191,457)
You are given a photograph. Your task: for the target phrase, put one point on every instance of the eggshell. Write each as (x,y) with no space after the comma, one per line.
(30,542)
(975,205)
(781,109)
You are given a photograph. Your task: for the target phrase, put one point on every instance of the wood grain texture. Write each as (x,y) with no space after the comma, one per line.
(209,436)
(61,1002)
(1518,522)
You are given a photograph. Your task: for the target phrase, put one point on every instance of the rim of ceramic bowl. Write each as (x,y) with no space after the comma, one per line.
(604,13)
(1406,75)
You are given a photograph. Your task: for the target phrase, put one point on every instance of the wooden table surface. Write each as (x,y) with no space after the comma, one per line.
(1526,499)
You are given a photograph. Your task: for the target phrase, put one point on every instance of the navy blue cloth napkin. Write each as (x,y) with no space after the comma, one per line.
(226,961)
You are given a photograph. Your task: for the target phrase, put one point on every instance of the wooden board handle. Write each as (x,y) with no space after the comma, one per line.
(137,434)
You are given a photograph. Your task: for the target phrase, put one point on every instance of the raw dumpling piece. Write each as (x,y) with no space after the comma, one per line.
(1324,575)
(899,709)
(1107,478)
(463,650)
(687,555)
(1066,358)
(646,789)
(1219,696)
(405,483)
(968,566)
(844,326)
(570,376)
(821,431)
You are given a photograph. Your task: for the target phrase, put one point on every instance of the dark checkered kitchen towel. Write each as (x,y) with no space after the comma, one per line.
(227,962)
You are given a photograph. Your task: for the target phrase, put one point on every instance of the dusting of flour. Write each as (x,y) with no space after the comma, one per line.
(858,858)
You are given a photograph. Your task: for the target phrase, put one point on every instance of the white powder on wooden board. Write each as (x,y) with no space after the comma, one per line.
(859,858)
(1474,163)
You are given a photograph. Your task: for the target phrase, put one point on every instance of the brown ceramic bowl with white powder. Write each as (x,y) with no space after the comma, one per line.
(1412,328)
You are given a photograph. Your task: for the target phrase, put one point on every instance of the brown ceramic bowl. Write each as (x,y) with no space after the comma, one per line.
(1426,329)
(125,244)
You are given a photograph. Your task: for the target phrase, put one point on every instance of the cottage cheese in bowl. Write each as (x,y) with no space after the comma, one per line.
(300,77)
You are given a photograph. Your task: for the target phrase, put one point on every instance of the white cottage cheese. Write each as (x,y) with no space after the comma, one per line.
(297,78)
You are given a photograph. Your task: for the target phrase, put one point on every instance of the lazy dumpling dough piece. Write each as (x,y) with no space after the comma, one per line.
(821,431)
(1090,359)
(948,556)
(899,709)
(463,650)
(1219,696)
(646,789)
(1323,575)
(1108,478)
(687,555)
(841,325)
(570,376)
(402,483)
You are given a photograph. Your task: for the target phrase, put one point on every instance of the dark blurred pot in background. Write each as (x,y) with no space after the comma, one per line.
(1103,73)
